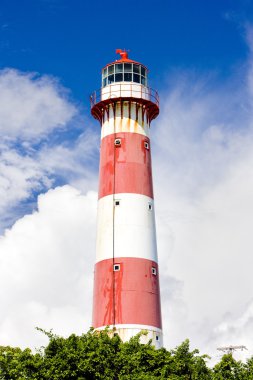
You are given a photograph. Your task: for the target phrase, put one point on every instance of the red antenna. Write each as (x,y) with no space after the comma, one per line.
(123,53)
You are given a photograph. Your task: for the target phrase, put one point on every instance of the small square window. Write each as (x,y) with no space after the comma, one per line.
(117,142)
(154,271)
(146,145)
(150,206)
(116,267)
(117,202)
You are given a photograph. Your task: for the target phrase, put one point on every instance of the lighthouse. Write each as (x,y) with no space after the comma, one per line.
(126,276)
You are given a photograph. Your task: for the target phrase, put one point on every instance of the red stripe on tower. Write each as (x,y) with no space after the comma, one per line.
(126,169)
(126,281)
(136,285)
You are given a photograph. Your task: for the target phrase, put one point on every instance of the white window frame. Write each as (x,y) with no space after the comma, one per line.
(146,145)
(116,267)
(117,142)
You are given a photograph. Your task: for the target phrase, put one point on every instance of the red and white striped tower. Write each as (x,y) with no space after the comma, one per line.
(126,280)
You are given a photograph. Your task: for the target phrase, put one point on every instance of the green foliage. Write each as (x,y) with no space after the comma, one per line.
(229,369)
(102,355)
(16,364)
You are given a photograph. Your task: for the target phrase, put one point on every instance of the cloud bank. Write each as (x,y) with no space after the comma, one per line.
(36,115)
(31,106)
(203,164)
(46,268)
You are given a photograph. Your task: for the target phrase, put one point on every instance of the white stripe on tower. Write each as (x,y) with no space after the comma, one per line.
(134,227)
(136,123)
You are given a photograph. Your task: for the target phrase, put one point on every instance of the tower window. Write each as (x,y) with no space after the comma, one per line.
(150,206)
(136,68)
(128,77)
(128,67)
(136,78)
(111,69)
(146,145)
(117,142)
(118,77)
(119,68)
(154,271)
(143,81)
(116,267)
(143,71)
(110,79)
(117,202)
(157,338)
(124,72)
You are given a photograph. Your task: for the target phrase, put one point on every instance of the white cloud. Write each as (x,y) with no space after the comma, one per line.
(33,155)
(31,106)
(19,176)
(35,289)
(76,163)
(203,185)
(46,267)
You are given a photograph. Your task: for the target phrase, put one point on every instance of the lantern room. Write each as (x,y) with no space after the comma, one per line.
(124,80)
(124,70)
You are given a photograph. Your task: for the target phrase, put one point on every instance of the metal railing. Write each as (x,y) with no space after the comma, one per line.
(126,90)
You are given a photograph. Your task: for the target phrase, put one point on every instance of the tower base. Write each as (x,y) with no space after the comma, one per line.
(126,332)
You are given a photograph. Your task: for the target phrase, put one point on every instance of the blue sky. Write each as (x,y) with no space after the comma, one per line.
(74,39)
(200,56)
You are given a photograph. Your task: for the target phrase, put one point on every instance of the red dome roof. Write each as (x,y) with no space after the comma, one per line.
(124,58)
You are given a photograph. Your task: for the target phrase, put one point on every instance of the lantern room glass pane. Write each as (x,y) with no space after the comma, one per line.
(104,72)
(136,78)
(110,79)
(143,71)
(119,77)
(104,82)
(143,81)
(111,69)
(136,68)
(127,67)
(119,68)
(128,77)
